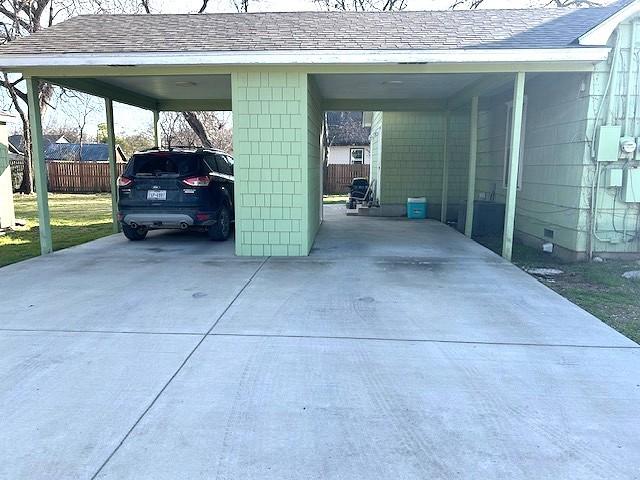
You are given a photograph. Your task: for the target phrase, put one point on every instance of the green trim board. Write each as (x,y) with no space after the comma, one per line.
(514,162)
(39,165)
(113,171)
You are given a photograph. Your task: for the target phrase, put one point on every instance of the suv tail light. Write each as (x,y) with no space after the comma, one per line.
(197,181)
(124,181)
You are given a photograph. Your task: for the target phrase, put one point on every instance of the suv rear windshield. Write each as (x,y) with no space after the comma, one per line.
(166,164)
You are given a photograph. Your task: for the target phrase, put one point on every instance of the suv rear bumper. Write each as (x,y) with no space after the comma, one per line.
(159,220)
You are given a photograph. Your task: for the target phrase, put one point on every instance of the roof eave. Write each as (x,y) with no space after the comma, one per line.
(307,57)
(600,34)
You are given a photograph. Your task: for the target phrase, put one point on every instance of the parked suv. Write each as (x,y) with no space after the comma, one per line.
(183,188)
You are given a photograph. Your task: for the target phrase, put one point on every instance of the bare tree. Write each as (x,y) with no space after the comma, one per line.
(79,107)
(177,131)
(20,18)
(242,6)
(363,5)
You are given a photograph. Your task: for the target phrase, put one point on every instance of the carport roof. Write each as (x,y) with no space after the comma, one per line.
(408,30)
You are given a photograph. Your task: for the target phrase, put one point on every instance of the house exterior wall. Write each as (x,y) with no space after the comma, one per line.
(410,161)
(617,223)
(551,197)
(314,119)
(7,212)
(341,154)
(273,172)
(559,173)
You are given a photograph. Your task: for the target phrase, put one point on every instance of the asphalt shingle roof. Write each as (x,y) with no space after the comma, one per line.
(424,30)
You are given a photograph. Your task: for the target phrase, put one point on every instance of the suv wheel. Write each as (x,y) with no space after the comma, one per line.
(222,228)
(134,234)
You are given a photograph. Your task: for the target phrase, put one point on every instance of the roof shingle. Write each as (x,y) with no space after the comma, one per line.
(408,30)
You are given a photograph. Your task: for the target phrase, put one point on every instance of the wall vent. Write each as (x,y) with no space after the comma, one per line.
(548,233)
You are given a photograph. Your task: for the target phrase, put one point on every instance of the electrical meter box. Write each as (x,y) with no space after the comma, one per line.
(614,177)
(608,143)
(631,187)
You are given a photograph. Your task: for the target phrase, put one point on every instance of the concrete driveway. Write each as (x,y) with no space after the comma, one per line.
(397,350)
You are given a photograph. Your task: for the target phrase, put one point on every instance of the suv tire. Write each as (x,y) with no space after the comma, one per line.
(222,228)
(134,234)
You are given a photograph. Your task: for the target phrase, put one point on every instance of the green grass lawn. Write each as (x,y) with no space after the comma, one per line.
(75,219)
(598,287)
(334,199)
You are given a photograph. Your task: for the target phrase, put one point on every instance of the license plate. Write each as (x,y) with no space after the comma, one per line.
(156,194)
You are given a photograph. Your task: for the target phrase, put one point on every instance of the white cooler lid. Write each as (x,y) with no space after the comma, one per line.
(417,200)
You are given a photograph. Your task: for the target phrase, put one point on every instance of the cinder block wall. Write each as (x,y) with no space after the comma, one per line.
(7,213)
(276,121)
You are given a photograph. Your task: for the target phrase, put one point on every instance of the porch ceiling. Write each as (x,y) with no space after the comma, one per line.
(354,91)
(158,92)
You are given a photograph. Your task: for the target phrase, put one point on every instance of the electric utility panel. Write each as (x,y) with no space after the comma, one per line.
(631,187)
(608,143)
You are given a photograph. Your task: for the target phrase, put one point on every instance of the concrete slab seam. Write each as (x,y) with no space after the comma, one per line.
(179,369)
(428,340)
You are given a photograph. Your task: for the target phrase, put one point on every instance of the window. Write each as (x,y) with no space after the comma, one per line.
(507,144)
(165,164)
(357,156)
(223,165)
(230,161)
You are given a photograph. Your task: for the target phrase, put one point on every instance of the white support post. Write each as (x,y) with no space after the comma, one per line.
(445,170)
(156,128)
(514,164)
(473,155)
(39,165)
(113,171)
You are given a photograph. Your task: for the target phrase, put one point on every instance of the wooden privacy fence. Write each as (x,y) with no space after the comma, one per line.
(80,177)
(338,177)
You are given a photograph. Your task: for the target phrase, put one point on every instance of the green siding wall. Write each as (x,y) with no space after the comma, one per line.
(559,171)
(617,222)
(411,159)
(314,163)
(552,164)
(270,150)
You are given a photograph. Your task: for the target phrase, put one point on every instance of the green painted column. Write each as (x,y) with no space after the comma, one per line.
(514,163)
(113,170)
(473,156)
(39,165)
(7,211)
(156,128)
(277,184)
(445,170)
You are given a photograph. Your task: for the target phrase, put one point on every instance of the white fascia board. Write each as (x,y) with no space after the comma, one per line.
(310,57)
(600,34)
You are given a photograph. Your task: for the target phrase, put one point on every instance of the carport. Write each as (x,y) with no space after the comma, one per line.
(278,73)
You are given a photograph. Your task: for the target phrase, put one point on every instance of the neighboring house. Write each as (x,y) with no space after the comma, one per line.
(17,141)
(86,152)
(348,138)
(465,96)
